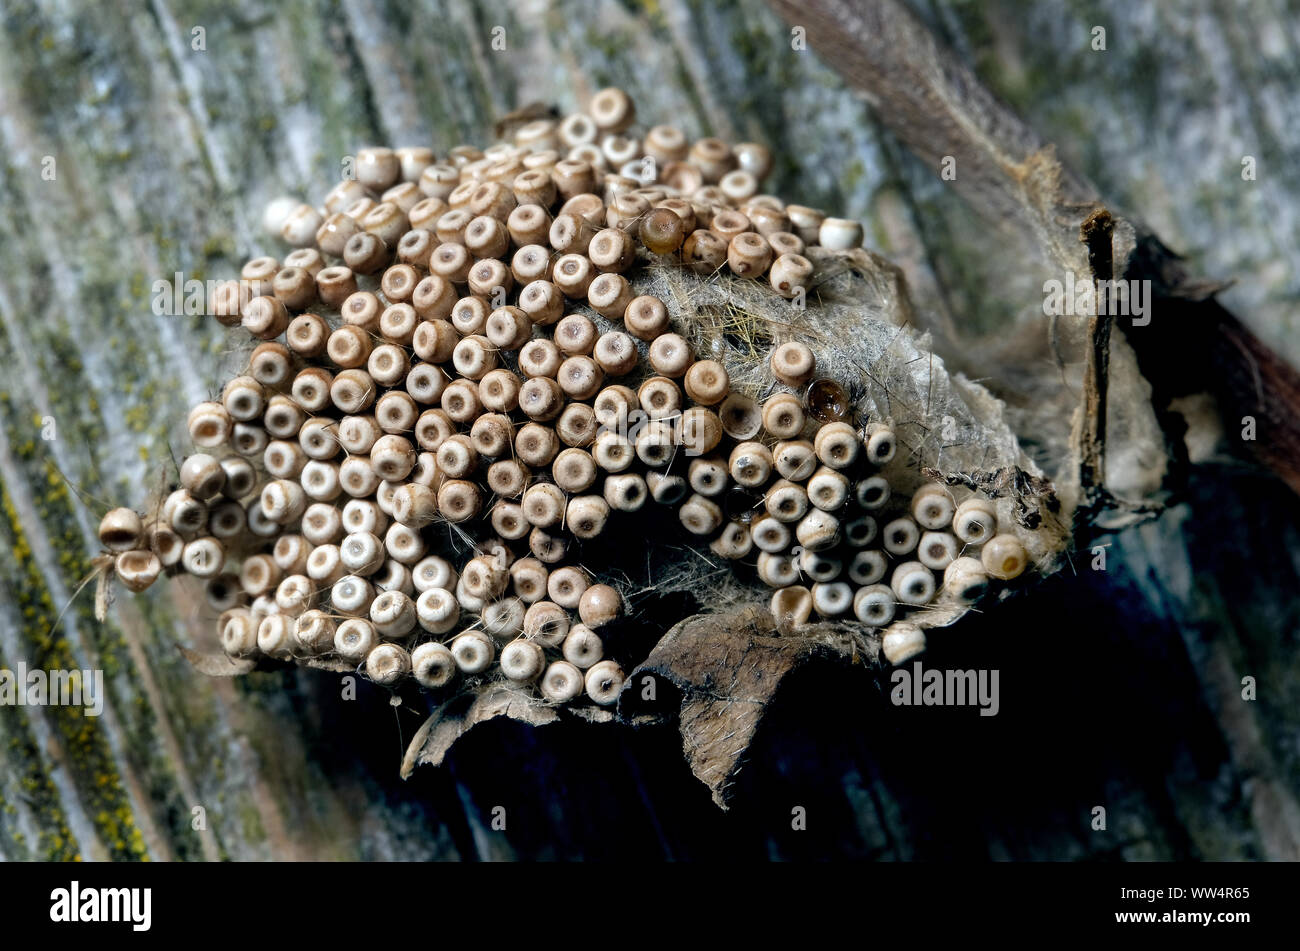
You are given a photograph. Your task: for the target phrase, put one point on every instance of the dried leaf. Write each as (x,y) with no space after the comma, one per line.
(728,669)
(103,570)
(462,713)
(332,664)
(217,665)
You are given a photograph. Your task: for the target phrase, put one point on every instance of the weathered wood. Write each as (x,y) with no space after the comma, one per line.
(1119,685)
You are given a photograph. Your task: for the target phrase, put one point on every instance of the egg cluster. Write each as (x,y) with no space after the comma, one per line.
(457,387)
(822,511)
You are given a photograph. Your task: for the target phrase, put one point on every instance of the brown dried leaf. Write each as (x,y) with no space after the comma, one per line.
(462,713)
(217,665)
(332,664)
(728,668)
